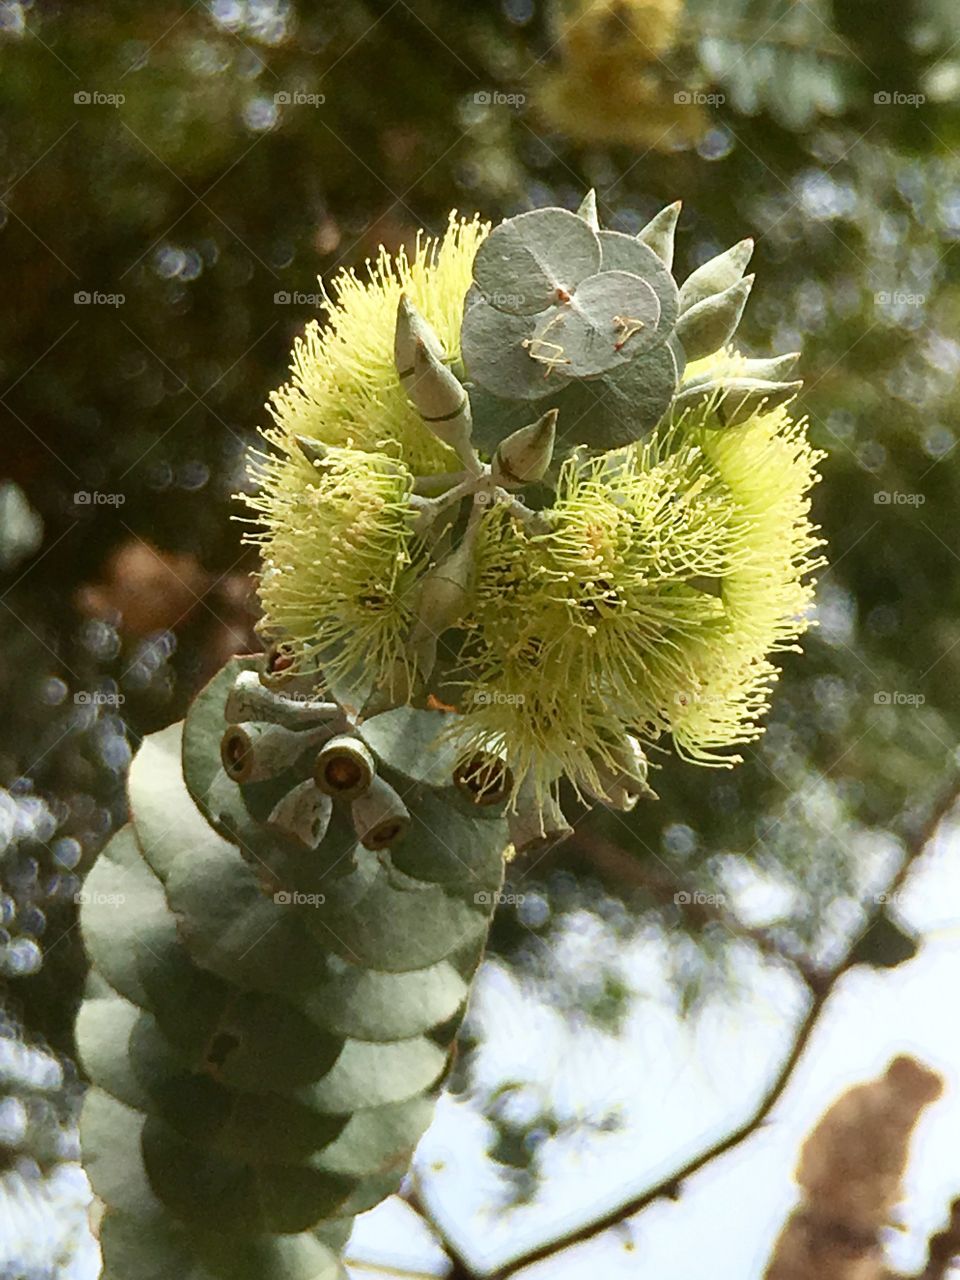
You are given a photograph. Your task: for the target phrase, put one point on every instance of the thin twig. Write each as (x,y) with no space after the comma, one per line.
(821,985)
(358,1264)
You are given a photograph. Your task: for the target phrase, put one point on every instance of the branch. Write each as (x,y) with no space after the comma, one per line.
(821,984)
(664,888)
(944,1248)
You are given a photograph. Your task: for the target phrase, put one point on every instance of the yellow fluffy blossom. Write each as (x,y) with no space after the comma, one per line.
(344,388)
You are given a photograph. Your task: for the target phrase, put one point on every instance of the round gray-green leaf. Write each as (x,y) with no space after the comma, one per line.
(495,354)
(610,320)
(627,253)
(528,262)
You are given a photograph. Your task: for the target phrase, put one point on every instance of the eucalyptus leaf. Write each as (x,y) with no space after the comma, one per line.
(496,354)
(611,319)
(627,253)
(526,263)
(622,406)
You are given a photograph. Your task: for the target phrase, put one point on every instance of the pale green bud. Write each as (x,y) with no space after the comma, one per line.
(445,591)
(716,275)
(660,232)
(734,401)
(588,209)
(710,324)
(411,329)
(439,397)
(525,456)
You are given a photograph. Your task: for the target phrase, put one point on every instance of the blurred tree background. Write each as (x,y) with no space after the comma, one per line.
(173,180)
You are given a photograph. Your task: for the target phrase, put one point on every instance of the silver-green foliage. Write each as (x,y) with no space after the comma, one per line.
(279,968)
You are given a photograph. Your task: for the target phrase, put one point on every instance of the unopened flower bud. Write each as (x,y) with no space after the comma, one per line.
(588,209)
(717,275)
(660,231)
(439,397)
(445,592)
(710,324)
(526,455)
(411,329)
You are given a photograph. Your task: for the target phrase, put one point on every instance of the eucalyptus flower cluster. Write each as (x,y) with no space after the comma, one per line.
(524,476)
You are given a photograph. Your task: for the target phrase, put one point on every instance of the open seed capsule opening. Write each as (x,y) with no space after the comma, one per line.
(236,753)
(379,816)
(344,768)
(484,779)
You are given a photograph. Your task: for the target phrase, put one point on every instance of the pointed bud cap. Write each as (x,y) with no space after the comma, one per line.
(588,209)
(411,329)
(709,325)
(660,232)
(716,275)
(440,398)
(525,456)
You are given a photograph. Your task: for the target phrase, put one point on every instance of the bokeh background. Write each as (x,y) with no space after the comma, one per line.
(173,179)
